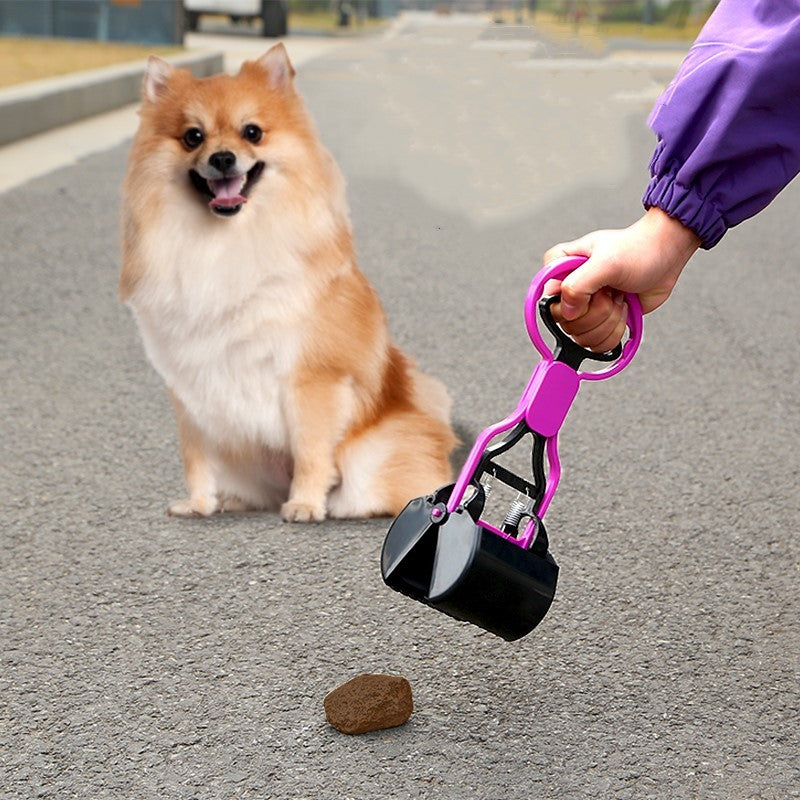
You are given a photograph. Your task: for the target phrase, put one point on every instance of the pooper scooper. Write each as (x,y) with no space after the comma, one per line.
(446,549)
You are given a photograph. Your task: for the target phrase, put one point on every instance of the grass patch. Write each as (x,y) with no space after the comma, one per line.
(30,59)
(658,32)
(326,21)
(322,21)
(593,34)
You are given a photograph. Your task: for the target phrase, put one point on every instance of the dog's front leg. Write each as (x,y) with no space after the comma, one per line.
(319,413)
(203,499)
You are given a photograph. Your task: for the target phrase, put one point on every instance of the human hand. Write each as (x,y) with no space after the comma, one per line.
(646,258)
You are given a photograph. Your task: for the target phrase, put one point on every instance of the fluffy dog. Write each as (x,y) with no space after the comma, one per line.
(238,264)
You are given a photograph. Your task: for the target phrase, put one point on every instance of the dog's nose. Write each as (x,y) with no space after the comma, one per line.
(222,160)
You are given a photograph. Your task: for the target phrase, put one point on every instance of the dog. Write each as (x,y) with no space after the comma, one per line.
(238,264)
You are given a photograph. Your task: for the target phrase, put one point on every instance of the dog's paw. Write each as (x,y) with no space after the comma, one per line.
(194,507)
(297,511)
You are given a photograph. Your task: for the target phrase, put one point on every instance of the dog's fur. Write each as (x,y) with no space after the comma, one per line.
(238,263)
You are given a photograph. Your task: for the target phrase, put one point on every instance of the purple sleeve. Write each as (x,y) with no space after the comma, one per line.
(728,125)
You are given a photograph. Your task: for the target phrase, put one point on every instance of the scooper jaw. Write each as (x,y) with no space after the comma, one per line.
(453,563)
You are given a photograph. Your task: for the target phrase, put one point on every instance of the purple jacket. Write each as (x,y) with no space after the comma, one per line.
(728,125)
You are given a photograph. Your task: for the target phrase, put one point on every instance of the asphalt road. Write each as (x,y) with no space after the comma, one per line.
(150,657)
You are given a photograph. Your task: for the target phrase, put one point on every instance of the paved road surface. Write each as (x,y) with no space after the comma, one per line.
(149,657)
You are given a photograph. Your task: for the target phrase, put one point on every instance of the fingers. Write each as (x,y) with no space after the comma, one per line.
(601,328)
(552,287)
(580,286)
(604,336)
(590,310)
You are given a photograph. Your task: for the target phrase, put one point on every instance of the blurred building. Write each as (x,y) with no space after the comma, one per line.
(160,22)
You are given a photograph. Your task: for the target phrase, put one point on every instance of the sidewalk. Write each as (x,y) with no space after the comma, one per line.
(48,124)
(38,106)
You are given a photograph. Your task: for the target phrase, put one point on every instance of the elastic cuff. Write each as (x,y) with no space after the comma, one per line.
(688,207)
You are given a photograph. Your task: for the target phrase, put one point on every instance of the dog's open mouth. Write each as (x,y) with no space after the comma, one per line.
(226,196)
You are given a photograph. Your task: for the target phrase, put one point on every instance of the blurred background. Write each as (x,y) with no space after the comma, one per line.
(167,21)
(45,39)
(142,656)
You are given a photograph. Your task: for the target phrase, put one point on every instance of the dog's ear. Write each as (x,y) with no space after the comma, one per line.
(277,66)
(155,78)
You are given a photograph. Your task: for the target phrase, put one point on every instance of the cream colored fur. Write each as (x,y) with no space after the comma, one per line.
(288,390)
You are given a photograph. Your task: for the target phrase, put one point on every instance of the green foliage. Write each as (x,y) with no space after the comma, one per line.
(616,11)
(675,14)
(309,6)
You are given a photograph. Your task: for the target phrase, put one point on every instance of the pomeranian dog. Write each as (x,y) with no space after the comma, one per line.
(239,266)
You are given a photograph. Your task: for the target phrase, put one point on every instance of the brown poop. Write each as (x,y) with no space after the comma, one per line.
(369,703)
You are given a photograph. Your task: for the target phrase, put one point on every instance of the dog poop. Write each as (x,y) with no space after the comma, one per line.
(369,703)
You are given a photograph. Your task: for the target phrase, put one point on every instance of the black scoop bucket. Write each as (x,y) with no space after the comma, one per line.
(454,564)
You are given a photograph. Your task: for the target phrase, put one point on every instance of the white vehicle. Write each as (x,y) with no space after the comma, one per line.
(272,14)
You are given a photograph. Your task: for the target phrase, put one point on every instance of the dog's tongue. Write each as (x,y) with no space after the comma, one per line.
(227,192)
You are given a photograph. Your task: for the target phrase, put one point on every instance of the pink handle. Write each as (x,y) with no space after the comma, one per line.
(549,394)
(558,270)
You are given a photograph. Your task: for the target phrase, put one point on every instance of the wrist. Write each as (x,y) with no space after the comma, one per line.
(671,235)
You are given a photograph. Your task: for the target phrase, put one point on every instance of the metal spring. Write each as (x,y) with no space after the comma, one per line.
(516,511)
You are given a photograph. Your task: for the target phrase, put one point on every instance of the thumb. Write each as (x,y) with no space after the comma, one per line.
(575,291)
(579,286)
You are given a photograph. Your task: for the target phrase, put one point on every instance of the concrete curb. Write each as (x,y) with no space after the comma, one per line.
(43,105)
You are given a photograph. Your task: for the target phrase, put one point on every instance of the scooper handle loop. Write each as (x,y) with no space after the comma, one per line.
(558,270)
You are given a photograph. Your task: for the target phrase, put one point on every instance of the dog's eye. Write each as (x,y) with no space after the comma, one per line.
(252,134)
(193,138)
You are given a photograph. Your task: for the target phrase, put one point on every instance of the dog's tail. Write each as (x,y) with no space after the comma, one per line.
(431,395)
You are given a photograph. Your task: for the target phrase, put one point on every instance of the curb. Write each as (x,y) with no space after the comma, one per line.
(40,106)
